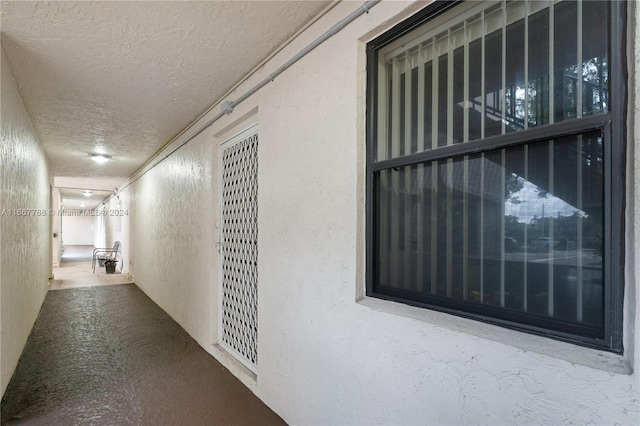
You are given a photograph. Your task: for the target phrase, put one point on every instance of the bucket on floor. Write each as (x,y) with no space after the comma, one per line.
(110,266)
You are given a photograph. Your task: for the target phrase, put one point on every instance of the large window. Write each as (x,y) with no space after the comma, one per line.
(495,165)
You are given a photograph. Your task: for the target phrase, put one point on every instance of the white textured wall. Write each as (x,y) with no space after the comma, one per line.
(77,230)
(25,262)
(325,358)
(99,231)
(56,228)
(171,235)
(119,209)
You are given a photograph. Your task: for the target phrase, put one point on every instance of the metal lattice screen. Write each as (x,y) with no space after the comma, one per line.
(239,325)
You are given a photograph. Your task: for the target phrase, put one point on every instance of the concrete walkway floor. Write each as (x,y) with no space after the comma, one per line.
(109,355)
(80,274)
(75,270)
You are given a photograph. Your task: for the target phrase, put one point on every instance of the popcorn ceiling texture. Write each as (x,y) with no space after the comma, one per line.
(25,262)
(126,77)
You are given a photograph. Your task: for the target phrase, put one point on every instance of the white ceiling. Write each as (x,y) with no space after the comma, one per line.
(123,78)
(74,199)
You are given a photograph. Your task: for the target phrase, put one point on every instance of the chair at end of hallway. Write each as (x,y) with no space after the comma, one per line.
(102,254)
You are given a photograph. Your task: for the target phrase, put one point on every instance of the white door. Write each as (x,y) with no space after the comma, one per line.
(239,247)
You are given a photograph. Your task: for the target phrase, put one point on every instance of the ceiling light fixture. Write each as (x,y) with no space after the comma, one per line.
(100,158)
(87,193)
(83,204)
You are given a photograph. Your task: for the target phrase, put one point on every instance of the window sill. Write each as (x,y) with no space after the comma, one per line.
(577,355)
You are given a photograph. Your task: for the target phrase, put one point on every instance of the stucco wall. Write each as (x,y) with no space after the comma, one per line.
(118,209)
(56,227)
(25,262)
(169,248)
(77,230)
(323,356)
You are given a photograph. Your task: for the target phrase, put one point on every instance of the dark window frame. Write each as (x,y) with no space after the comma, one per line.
(613,126)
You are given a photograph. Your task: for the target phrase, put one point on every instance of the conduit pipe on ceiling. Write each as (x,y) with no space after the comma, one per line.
(227,106)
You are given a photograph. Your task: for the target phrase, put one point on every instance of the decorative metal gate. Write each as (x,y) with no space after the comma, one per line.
(239,247)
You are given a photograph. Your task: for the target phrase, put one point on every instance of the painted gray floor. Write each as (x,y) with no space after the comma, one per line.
(109,355)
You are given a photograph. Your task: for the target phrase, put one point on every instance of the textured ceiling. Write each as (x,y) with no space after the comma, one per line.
(73,199)
(123,78)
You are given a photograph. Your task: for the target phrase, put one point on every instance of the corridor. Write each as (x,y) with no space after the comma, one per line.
(322,212)
(109,355)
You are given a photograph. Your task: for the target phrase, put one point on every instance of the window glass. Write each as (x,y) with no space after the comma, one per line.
(595,66)
(538,69)
(514,72)
(518,228)
(506,68)
(565,69)
(510,213)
